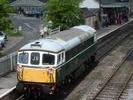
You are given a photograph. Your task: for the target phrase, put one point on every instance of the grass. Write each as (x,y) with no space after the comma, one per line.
(15,33)
(1,54)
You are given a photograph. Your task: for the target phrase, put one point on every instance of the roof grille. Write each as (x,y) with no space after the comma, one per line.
(36,44)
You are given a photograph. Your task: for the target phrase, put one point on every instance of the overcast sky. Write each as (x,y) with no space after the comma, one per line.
(89,4)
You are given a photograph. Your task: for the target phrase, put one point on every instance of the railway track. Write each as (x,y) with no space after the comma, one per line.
(111,46)
(92,84)
(127,92)
(20,97)
(117,83)
(104,46)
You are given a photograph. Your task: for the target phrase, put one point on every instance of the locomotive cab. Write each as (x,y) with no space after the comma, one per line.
(33,66)
(60,58)
(39,67)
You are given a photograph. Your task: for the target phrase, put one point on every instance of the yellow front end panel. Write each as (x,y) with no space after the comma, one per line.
(38,75)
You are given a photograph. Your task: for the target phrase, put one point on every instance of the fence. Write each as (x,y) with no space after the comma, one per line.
(54,31)
(8,63)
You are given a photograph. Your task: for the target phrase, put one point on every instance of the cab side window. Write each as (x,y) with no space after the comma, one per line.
(60,58)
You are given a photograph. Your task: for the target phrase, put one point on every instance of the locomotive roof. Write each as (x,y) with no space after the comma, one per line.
(63,40)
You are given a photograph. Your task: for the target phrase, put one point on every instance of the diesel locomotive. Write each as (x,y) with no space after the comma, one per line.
(45,64)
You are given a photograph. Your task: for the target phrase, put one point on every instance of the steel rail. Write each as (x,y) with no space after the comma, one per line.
(114,73)
(124,87)
(20,97)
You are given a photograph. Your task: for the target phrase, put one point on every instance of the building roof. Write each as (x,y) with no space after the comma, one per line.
(113,1)
(89,12)
(44,1)
(114,5)
(108,1)
(27,3)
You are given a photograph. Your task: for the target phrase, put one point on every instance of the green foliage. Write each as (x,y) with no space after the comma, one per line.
(5,23)
(12,32)
(5,8)
(64,13)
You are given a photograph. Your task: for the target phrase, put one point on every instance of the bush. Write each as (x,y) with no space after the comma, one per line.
(13,32)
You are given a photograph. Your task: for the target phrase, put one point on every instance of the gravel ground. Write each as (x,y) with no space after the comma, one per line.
(115,86)
(12,41)
(128,92)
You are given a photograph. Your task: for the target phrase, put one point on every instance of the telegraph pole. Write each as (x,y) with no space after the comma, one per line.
(130,4)
(100,10)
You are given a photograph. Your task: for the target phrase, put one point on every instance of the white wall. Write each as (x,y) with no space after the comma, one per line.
(89,4)
(90,21)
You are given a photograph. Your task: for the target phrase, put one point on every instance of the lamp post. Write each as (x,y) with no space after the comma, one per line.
(49,26)
(100,10)
(130,4)
(100,13)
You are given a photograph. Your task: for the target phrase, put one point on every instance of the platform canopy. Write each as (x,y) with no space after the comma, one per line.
(27,3)
(115,5)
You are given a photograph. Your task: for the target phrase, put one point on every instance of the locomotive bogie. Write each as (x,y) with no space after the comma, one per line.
(23,87)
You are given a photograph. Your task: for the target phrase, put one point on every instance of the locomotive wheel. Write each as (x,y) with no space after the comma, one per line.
(20,88)
(27,94)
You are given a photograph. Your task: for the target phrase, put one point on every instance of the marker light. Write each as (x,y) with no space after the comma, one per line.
(19,67)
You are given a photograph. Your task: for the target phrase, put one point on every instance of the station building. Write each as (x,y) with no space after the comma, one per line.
(28,7)
(115,11)
(90,12)
(99,13)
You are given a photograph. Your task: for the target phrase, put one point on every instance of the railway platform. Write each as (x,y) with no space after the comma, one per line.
(104,31)
(8,82)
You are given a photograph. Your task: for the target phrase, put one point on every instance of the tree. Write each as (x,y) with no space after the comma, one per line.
(5,23)
(63,13)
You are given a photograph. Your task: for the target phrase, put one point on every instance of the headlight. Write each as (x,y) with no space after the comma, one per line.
(19,68)
(2,41)
(50,71)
